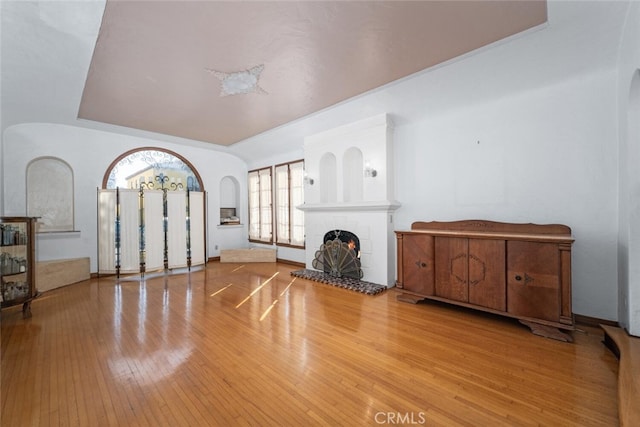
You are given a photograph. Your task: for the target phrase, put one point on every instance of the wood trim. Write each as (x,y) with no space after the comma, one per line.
(492,226)
(278,260)
(627,349)
(400,260)
(478,234)
(593,321)
(289,262)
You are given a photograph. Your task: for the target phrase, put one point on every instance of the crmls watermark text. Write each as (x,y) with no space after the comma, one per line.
(404,418)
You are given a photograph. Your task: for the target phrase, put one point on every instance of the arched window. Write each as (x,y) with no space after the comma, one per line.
(152,168)
(50,194)
(151,213)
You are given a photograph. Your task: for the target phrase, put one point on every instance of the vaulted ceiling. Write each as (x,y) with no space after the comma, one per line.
(221,72)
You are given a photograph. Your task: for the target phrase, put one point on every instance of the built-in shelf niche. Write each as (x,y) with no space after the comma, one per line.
(336,160)
(229,201)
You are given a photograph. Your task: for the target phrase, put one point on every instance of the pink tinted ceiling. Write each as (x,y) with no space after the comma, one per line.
(150,65)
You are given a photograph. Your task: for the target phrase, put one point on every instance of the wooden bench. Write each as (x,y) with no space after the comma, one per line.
(61,272)
(248,255)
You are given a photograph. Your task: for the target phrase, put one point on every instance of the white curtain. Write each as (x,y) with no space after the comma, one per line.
(153,230)
(177,229)
(197,234)
(106,231)
(129,231)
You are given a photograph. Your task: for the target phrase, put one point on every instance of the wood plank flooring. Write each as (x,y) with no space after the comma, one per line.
(240,345)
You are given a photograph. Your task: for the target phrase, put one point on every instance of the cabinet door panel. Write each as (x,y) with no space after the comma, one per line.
(417,264)
(452,268)
(487,284)
(533,281)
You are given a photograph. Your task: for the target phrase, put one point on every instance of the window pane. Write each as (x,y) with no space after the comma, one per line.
(265,205)
(254,205)
(287,193)
(282,204)
(297,199)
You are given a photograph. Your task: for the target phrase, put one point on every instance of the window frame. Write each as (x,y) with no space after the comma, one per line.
(261,210)
(291,189)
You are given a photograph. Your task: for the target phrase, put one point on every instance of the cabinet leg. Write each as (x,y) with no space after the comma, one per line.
(26,309)
(413,299)
(547,331)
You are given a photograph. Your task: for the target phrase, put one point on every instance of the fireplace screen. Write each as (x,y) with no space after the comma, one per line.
(339,255)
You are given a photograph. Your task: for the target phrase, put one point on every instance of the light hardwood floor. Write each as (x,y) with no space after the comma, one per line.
(250,345)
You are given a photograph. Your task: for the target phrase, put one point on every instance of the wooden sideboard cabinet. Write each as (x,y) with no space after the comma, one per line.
(517,270)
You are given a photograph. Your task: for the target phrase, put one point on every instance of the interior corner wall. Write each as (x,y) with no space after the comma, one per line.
(629,177)
(89,153)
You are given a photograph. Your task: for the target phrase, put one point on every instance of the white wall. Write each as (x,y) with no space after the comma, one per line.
(89,153)
(542,156)
(629,175)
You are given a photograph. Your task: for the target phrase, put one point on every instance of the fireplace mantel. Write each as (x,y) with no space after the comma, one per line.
(373,206)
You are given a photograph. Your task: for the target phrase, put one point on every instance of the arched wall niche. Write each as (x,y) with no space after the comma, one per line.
(328,178)
(142,163)
(352,167)
(229,200)
(50,194)
(630,291)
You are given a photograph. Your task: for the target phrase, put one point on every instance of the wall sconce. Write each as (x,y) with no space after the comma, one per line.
(369,172)
(308,180)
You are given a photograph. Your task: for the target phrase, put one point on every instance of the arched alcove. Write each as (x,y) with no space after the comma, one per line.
(50,193)
(328,178)
(229,200)
(352,166)
(630,317)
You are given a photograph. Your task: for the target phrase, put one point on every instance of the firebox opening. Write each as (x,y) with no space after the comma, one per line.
(344,236)
(339,255)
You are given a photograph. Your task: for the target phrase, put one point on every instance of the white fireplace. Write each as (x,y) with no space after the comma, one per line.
(349,186)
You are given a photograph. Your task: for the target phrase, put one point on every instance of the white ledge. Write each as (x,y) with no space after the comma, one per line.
(384,205)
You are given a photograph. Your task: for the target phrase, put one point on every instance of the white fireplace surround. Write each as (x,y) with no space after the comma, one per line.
(343,198)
